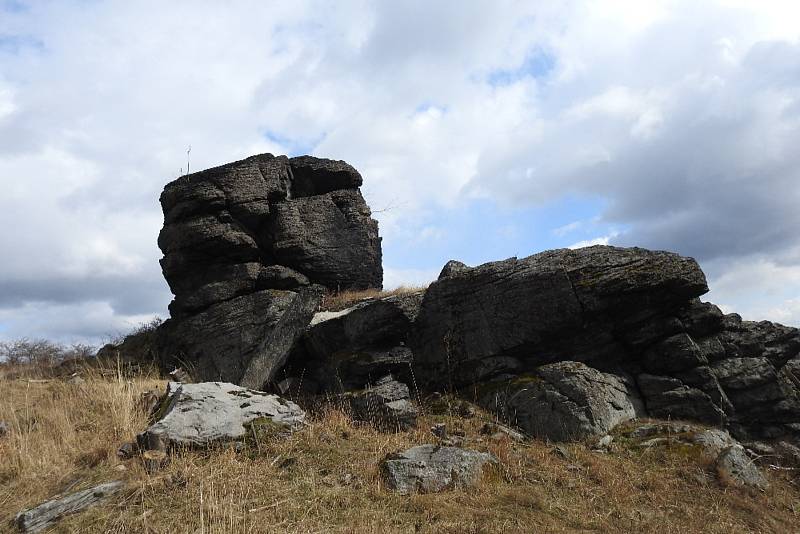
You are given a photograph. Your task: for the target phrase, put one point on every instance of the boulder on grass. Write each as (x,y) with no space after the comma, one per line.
(47,514)
(735,467)
(200,415)
(563,401)
(431,469)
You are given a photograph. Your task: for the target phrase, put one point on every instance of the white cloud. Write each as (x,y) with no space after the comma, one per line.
(682,114)
(756,288)
(394,278)
(602,240)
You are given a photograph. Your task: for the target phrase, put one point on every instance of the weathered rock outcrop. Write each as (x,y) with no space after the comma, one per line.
(244,340)
(630,312)
(244,244)
(352,348)
(249,247)
(199,415)
(512,316)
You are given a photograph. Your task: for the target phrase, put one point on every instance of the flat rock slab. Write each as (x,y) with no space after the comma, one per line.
(46,514)
(198,415)
(431,469)
(729,457)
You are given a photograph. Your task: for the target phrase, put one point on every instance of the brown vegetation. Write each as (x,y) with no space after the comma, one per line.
(325,478)
(340,300)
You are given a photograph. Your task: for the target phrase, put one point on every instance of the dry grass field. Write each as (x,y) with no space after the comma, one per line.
(325,478)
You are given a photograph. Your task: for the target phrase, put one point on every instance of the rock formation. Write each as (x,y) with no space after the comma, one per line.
(630,312)
(565,343)
(248,248)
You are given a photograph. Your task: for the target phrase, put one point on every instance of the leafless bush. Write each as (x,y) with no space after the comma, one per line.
(33,352)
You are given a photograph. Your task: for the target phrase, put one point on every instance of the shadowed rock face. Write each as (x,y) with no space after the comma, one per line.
(248,247)
(631,312)
(514,315)
(225,227)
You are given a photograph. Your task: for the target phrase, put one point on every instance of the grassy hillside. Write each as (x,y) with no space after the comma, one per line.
(325,478)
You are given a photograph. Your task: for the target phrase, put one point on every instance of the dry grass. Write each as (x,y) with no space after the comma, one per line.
(341,300)
(64,438)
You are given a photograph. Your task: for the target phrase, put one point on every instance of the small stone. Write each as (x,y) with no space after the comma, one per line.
(47,514)
(439,430)
(76,380)
(713,441)
(120,467)
(560,450)
(497,431)
(604,443)
(154,461)
(386,405)
(126,451)
(5,429)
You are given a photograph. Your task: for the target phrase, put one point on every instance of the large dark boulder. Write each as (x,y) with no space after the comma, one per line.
(631,312)
(354,347)
(517,314)
(247,247)
(245,340)
(224,225)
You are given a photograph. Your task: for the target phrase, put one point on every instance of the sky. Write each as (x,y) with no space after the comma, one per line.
(483,130)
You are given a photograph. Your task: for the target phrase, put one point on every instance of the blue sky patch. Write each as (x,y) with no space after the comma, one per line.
(483,231)
(538,64)
(15,44)
(294,147)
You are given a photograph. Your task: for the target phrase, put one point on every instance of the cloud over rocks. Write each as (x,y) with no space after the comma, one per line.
(677,119)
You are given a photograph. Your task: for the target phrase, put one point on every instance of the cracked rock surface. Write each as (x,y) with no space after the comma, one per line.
(199,415)
(430,469)
(562,401)
(630,312)
(252,235)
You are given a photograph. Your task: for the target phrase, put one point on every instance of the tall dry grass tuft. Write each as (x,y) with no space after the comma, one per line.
(64,435)
(340,300)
